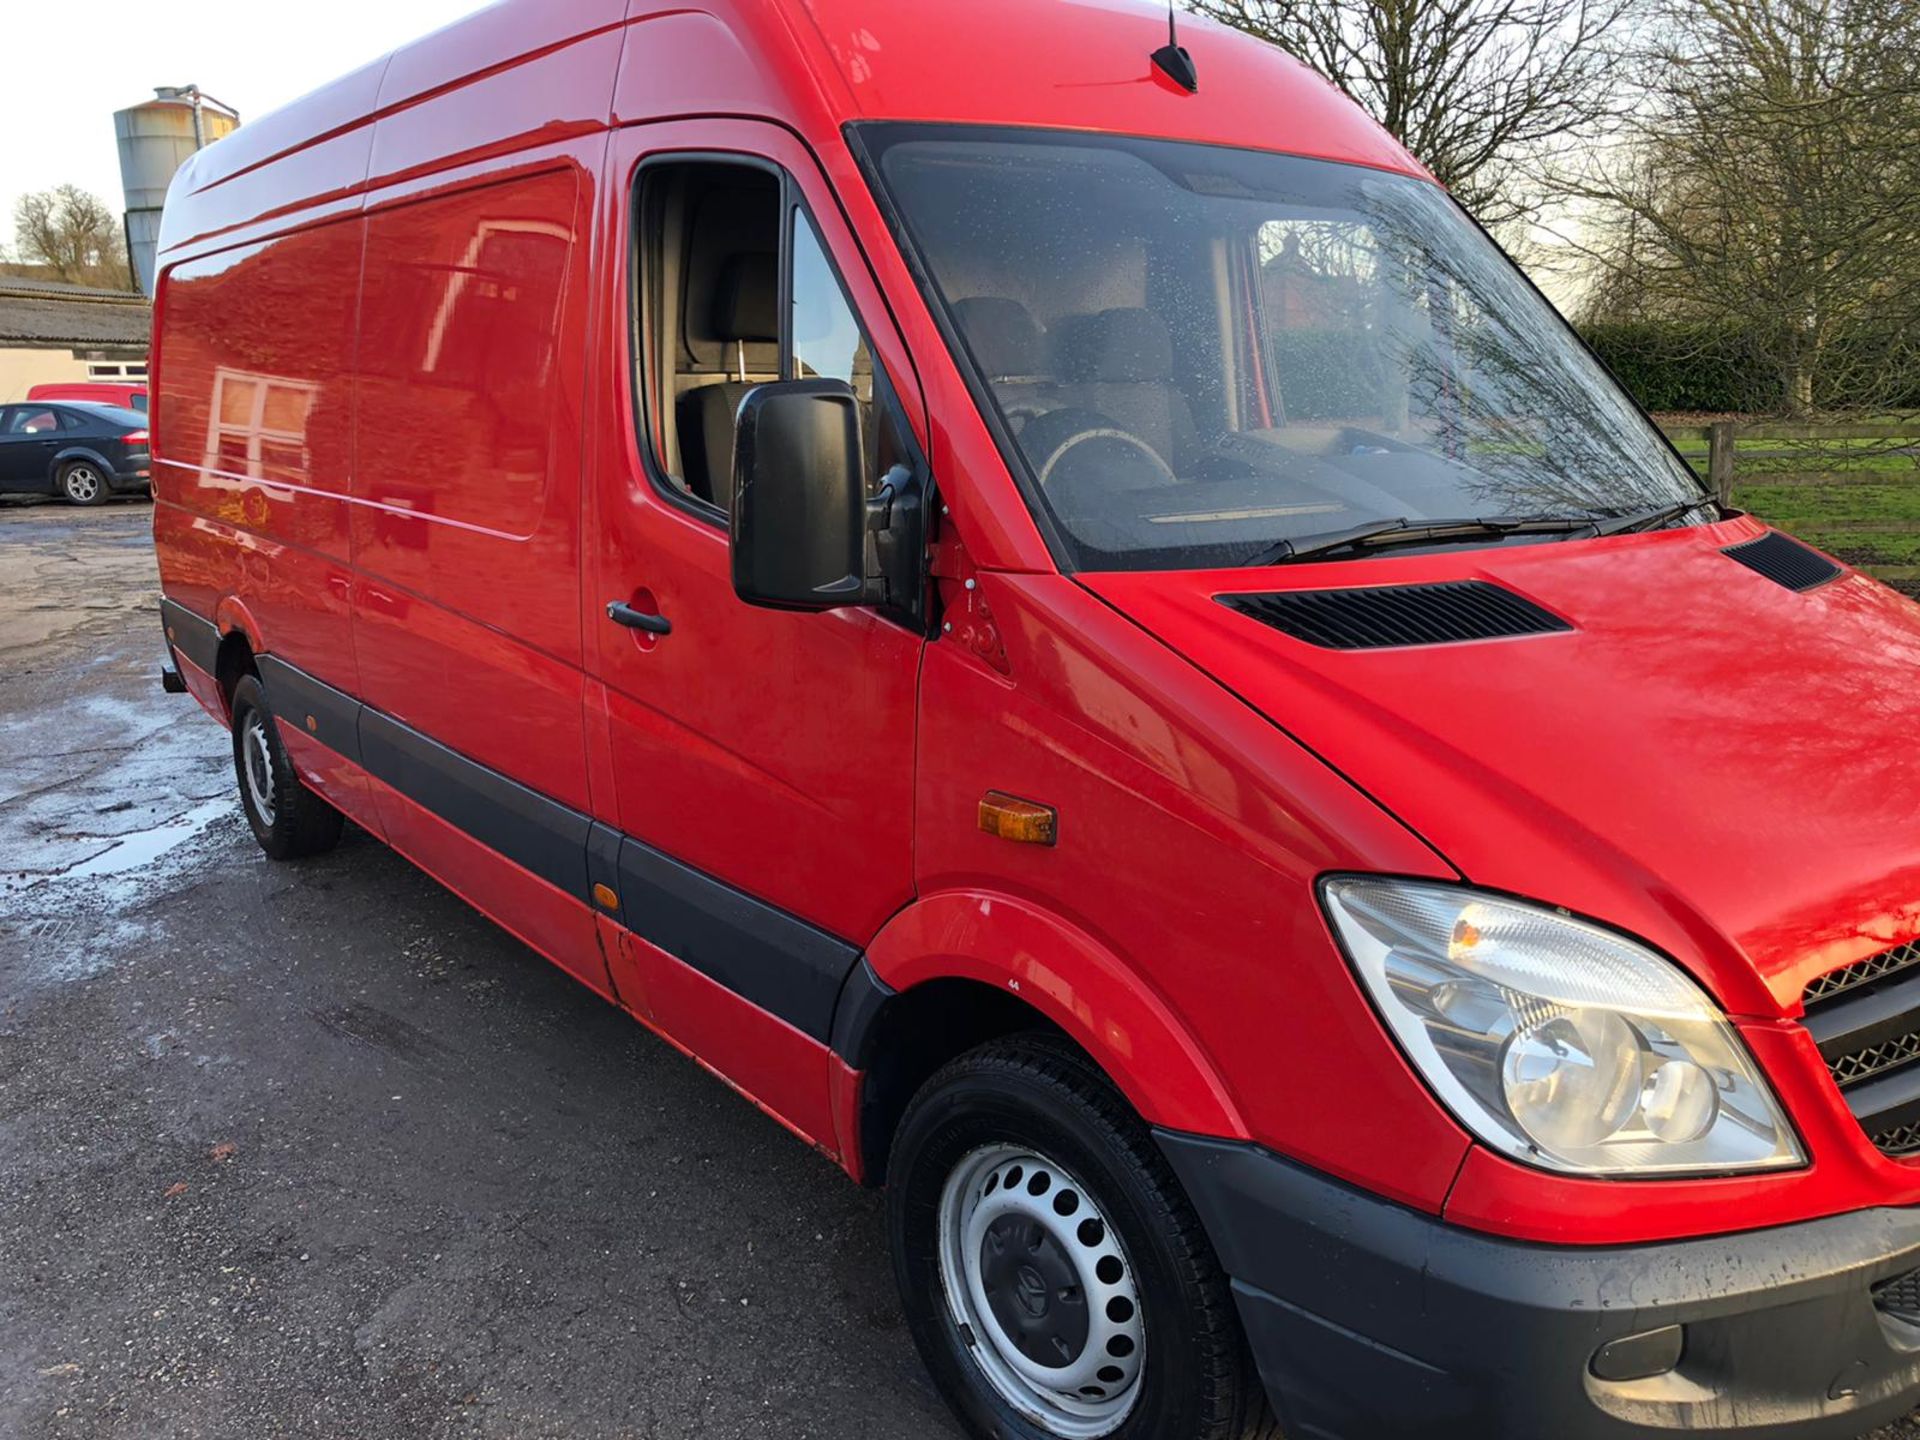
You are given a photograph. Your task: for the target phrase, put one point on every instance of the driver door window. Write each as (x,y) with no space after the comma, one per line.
(734,290)
(827,342)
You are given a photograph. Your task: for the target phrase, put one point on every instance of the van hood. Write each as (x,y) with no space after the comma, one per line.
(1723,766)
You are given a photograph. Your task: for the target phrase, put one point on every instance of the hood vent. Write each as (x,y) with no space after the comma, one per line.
(1389,616)
(1783,561)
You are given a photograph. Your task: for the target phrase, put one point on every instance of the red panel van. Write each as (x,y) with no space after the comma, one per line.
(98,392)
(1053,611)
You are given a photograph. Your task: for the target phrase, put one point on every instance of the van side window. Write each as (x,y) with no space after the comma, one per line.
(706,312)
(710,322)
(1321,302)
(827,341)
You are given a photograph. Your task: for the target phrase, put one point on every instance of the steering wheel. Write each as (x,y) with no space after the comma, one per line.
(1020,416)
(1049,439)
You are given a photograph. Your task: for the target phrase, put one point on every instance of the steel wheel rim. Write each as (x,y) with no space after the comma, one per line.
(257,765)
(82,483)
(990,1197)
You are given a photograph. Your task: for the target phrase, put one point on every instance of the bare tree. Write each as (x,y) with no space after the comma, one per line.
(75,233)
(1771,187)
(1484,92)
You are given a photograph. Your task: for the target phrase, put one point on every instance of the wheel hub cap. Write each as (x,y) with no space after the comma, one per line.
(1033,1290)
(258,754)
(1041,1291)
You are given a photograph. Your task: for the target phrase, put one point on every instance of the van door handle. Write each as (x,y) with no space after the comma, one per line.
(622,613)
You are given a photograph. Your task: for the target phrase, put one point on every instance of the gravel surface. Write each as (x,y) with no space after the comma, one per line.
(315,1150)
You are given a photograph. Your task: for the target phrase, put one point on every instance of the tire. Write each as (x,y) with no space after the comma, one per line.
(288,819)
(1024,1142)
(82,482)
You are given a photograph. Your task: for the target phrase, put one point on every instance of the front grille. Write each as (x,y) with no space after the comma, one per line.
(1862,972)
(1865,1018)
(1900,1297)
(1899,1139)
(1864,1064)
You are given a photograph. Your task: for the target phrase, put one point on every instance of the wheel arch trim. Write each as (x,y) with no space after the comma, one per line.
(66,457)
(1090,993)
(231,614)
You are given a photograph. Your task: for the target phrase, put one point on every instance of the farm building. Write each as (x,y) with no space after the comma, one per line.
(52,332)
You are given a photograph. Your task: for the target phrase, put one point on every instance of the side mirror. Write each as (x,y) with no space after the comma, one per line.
(799,508)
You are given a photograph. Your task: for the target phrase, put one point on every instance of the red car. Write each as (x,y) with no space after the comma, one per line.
(1046,605)
(97,392)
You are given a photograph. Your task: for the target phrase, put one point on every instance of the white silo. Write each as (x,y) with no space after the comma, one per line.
(155,140)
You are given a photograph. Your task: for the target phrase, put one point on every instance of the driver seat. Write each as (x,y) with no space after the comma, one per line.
(1010,349)
(1119,363)
(746,312)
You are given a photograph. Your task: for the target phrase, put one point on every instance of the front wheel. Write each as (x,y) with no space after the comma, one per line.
(83,483)
(288,819)
(1055,1278)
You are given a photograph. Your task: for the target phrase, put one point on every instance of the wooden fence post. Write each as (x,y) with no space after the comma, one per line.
(1720,460)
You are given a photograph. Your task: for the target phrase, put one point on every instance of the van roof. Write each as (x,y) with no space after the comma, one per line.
(1084,65)
(1071,64)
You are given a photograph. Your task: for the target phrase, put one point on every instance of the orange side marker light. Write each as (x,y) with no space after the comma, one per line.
(1025,822)
(603,896)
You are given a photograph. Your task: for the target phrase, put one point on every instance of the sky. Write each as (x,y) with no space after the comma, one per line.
(255,56)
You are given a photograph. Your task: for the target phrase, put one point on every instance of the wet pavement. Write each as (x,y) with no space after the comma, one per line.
(316,1151)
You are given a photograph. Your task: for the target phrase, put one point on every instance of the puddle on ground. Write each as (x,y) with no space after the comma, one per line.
(121,809)
(143,847)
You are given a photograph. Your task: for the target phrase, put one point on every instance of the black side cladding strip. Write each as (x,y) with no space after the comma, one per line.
(297,699)
(779,962)
(603,863)
(856,1020)
(539,835)
(196,639)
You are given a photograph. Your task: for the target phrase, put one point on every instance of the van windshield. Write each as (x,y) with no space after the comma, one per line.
(1201,356)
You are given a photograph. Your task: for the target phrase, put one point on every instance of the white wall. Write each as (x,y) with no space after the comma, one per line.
(23,368)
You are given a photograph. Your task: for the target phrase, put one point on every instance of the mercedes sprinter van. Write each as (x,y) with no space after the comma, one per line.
(1043,602)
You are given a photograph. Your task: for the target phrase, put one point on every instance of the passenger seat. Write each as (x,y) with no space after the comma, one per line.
(1120,363)
(746,312)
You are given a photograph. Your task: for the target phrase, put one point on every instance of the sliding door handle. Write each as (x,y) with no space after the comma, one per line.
(622,613)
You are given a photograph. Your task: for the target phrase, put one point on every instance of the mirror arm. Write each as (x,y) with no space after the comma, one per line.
(896,521)
(893,485)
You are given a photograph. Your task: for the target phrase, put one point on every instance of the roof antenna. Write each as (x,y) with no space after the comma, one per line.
(1173,59)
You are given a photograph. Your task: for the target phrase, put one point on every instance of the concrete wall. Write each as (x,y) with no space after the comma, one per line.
(21,369)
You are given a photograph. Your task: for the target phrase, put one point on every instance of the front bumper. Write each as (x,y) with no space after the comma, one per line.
(1370,1321)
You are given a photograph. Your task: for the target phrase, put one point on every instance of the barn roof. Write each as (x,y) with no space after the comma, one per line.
(49,313)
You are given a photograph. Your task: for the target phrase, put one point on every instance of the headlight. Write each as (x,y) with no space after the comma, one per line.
(1555,1041)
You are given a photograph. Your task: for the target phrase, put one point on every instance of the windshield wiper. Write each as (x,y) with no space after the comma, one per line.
(1651,519)
(1381,534)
